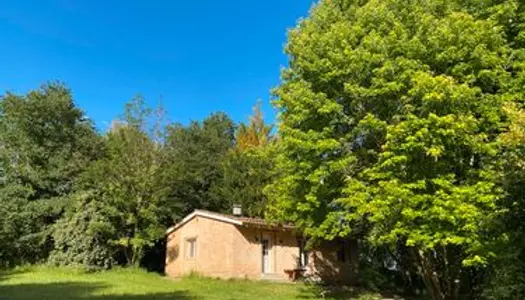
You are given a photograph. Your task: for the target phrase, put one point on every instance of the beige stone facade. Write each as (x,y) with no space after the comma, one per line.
(225,246)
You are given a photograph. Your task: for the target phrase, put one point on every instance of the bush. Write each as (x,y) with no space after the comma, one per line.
(82,238)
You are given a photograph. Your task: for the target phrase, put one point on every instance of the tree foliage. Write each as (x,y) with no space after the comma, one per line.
(506,278)
(45,143)
(130,188)
(248,167)
(83,236)
(97,200)
(256,134)
(195,155)
(390,115)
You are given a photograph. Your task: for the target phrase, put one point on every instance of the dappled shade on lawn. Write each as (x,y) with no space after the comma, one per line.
(77,291)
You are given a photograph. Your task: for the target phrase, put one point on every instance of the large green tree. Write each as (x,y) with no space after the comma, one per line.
(390,113)
(196,152)
(45,143)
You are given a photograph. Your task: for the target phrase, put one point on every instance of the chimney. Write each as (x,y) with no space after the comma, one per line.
(237,210)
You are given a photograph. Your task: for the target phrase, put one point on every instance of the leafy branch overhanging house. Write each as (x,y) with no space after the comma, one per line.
(233,246)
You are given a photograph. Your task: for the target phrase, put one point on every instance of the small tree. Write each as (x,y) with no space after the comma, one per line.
(256,134)
(129,194)
(248,167)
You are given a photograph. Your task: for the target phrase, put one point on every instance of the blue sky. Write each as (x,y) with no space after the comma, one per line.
(197,56)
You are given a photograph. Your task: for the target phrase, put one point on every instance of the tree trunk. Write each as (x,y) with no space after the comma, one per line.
(137,256)
(427,273)
(444,286)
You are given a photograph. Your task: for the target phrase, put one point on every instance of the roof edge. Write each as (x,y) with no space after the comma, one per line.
(205,214)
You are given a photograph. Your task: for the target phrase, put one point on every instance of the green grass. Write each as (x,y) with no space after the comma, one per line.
(43,283)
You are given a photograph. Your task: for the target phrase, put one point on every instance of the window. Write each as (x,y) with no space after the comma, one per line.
(191,248)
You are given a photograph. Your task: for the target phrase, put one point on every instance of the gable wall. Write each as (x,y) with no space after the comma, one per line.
(214,252)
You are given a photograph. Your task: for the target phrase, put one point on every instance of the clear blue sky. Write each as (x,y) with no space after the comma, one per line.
(199,56)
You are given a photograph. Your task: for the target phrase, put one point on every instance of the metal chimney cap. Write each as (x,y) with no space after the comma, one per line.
(237,210)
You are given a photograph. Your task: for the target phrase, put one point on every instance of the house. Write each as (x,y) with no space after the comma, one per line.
(232,246)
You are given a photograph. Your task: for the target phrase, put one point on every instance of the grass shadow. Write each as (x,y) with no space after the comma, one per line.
(78,291)
(8,273)
(316,291)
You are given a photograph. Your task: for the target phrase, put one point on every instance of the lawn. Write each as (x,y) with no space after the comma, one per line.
(45,283)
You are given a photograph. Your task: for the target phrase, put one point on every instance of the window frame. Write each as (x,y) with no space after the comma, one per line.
(191,247)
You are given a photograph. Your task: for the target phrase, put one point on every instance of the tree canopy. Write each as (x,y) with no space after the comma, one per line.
(390,120)
(46,142)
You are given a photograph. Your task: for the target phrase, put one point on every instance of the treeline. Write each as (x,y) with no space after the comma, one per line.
(70,195)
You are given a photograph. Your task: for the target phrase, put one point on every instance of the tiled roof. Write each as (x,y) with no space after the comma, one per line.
(259,221)
(246,220)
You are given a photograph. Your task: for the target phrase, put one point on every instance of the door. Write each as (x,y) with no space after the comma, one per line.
(266,255)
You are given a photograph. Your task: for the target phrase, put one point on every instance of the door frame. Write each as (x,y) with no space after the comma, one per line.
(269,270)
